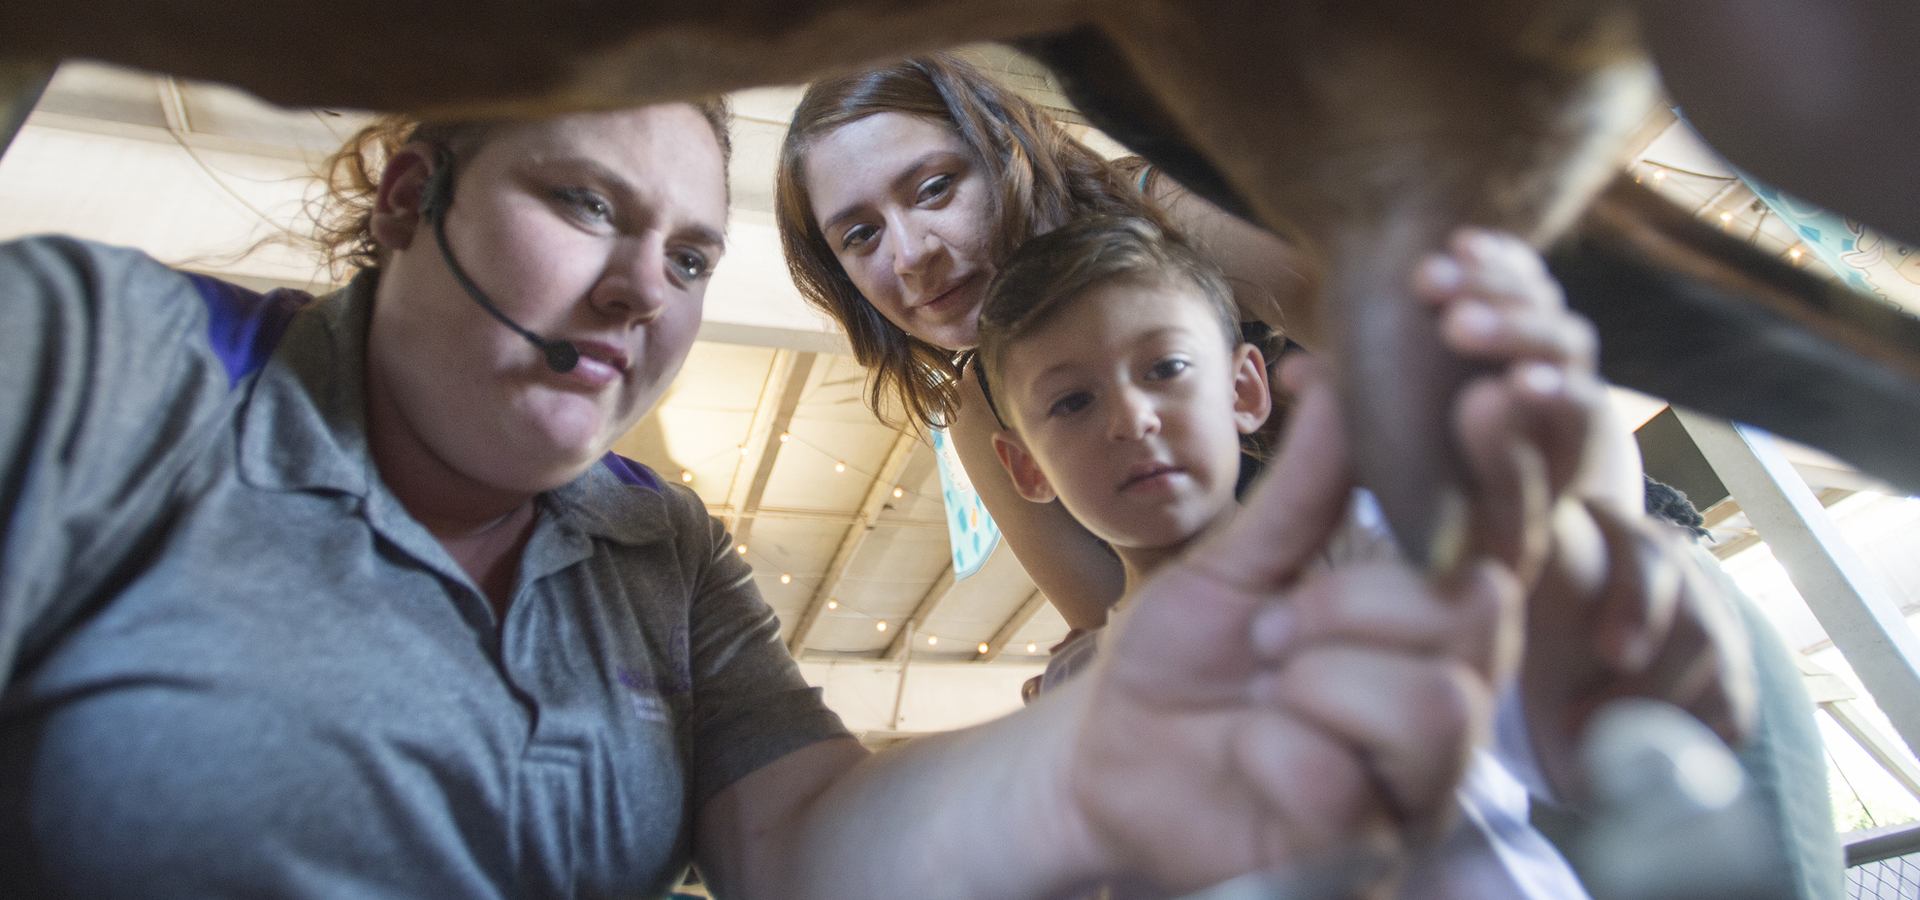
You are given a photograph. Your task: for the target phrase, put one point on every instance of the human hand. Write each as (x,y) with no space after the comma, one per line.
(1620,609)
(1244,716)
(1537,426)
(1624,610)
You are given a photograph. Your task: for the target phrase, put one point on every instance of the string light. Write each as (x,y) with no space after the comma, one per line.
(932,639)
(1726,217)
(785,437)
(899,493)
(743,449)
(742,549)
(1659,174)
(983,648)
(839,467)
(686,477)
(1031,648)
(1795,253)
(833,604)
(880,626)
(785,578)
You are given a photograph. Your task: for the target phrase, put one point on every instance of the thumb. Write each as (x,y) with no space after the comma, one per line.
(1299,499)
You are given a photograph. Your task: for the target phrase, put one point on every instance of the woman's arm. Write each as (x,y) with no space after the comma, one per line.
(109,387)
(1077,572)
(1273,281)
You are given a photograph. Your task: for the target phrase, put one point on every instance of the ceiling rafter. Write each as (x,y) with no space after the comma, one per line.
(1012,626)
(830,516)
(878,493)
(922,611)
(787,380)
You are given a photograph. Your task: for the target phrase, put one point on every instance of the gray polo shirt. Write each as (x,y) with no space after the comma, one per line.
(236,666)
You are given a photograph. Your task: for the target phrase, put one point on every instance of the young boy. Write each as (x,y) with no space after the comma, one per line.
(1113,356)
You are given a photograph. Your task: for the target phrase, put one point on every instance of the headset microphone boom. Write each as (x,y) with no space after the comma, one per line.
(561,356)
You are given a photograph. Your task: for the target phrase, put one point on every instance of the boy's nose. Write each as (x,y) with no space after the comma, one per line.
(1133,416)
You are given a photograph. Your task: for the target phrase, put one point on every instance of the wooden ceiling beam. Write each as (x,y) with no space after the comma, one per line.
(787,381)
(829,516)
(878,493)
(929,601)
(1012,626)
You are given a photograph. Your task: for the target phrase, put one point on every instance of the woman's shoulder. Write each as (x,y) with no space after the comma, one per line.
(65,264)
(633,504)
(126,289)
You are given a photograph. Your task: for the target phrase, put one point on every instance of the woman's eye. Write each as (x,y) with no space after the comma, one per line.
(586,204)
(857,236)
(1166,368)
(935,187)
(1070,404)
(690,265)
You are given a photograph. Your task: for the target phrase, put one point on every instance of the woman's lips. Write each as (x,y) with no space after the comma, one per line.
(600,365)
(948,298)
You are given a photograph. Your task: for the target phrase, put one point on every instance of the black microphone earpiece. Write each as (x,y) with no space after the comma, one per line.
(435,197)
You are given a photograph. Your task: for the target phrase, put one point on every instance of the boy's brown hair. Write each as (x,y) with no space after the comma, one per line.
(1049,272)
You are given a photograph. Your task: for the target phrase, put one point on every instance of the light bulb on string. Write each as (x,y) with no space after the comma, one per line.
(833,604)
(1031,648)
(880,626)
(686,477)
(742,549)
(932,640)
(899,493)
(785,578)
(743,449)
(839,467)
(785,437)
(983,649)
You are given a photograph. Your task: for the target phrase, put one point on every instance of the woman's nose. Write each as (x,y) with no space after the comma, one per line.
(913,247)
(635,286)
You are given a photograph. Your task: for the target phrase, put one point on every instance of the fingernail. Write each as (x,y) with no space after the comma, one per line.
(1542,379)
(1447,546)
(1441,273)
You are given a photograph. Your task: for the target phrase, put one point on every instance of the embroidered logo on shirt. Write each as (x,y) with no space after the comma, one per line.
(648,693)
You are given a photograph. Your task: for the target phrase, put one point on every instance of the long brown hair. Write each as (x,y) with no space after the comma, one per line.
(1044,179)
(342,231)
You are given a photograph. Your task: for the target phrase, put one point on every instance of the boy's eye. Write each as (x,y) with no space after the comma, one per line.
(690,265)
(933,188)
(585,203)
(1167,368)
(1070,404)
(857,236)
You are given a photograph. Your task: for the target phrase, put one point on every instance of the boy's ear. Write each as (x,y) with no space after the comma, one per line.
(1022,467)
(396,214)
(1252,396)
